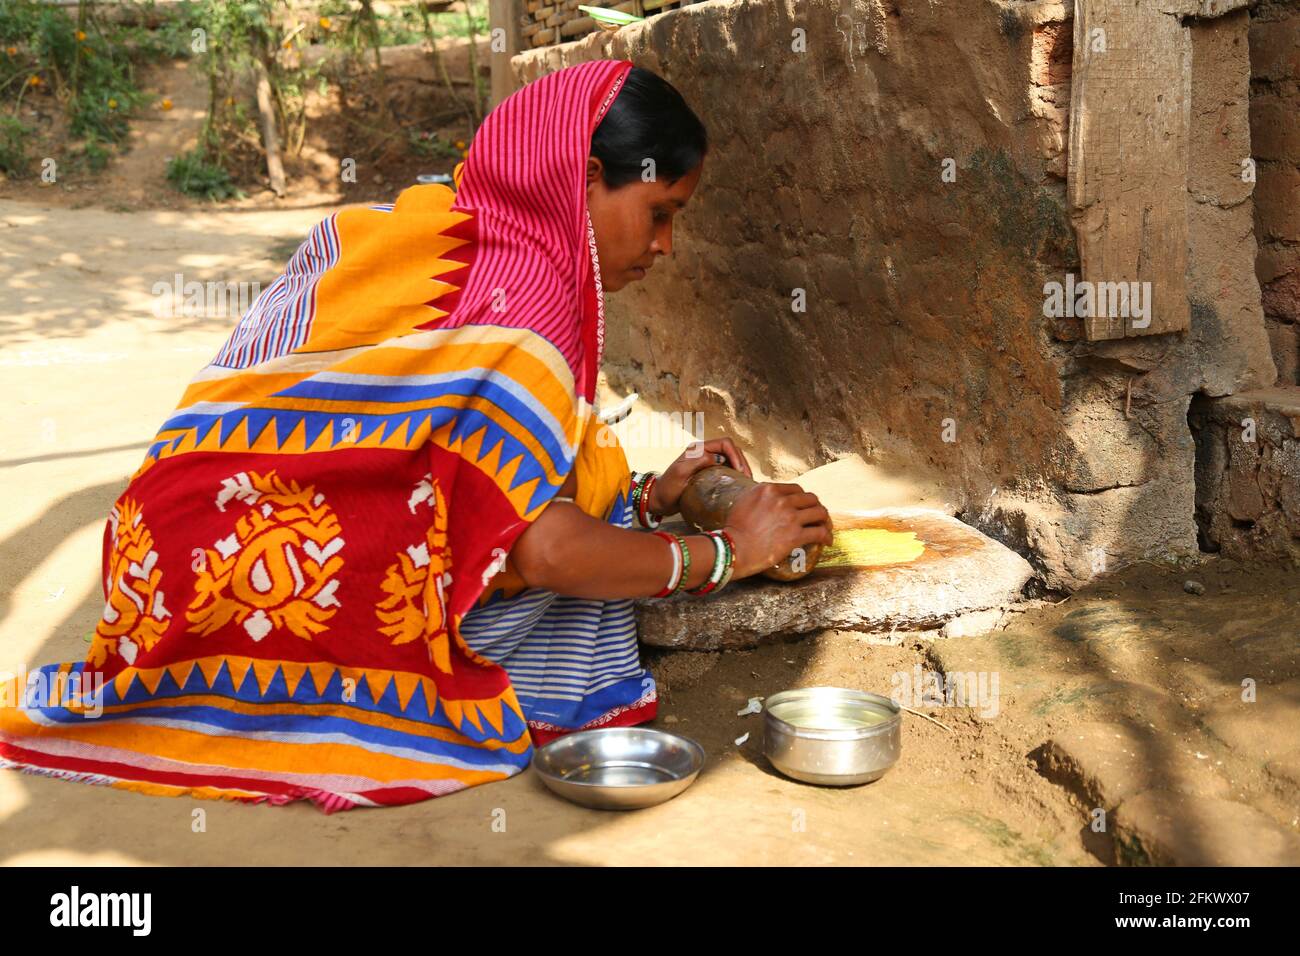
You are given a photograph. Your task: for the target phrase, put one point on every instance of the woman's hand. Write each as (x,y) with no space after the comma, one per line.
(769,521)
(666,495)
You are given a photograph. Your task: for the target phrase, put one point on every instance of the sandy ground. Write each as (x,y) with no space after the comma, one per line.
(90,370)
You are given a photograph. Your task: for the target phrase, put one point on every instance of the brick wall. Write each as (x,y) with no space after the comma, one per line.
(558,21)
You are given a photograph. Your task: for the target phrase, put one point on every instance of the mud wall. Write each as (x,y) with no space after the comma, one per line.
(923,344)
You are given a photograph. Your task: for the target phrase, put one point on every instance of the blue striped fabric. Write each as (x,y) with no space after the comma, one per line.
(571,660)
(279,319)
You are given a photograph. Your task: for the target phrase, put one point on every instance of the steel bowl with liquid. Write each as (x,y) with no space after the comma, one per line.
(832,736)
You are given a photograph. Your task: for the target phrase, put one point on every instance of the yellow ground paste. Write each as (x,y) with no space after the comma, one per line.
(868,547)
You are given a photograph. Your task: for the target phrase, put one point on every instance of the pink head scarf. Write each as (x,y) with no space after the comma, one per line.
(525,181)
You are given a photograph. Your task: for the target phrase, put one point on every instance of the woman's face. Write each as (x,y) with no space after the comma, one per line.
(634,223)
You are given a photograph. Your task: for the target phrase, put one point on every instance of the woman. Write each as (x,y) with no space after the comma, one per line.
(383,546)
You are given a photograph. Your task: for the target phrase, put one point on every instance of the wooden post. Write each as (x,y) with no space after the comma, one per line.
(508,16)
(1130,119)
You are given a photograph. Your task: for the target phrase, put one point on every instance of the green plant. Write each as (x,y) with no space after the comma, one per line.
(84,65)
(194,175)
(103,113)
(173,37)
(13,146)
(93,155)
(431,146)
(255,39)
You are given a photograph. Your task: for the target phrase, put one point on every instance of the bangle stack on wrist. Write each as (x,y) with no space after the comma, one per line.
(642,484)
(681,563)
(724,558)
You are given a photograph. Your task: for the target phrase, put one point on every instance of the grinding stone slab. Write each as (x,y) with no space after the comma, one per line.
(960,571)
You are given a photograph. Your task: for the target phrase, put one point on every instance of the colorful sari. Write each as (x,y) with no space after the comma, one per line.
(289,573)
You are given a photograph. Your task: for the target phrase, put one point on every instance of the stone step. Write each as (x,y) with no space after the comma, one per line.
(959,571)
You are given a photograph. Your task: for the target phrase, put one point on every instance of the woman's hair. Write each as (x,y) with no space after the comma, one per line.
(648,120)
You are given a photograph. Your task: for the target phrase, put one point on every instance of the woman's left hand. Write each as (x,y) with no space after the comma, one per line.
(668,488)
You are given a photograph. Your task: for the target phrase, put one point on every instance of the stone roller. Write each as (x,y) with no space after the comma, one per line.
(706,505)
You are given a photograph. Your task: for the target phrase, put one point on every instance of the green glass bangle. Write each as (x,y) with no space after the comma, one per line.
(686,563)
(731,559)
(637,482)
(721,565)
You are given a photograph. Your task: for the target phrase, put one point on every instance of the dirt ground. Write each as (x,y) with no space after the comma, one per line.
(90,370)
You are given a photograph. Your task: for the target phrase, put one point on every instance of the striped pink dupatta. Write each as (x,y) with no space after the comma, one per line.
(525,182)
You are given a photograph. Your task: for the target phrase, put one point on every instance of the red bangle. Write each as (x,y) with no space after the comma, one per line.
(678,564)
(643,503)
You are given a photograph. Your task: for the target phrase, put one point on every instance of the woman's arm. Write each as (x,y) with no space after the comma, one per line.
(568,551)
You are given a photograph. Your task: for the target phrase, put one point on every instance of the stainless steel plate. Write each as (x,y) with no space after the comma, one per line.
(619,768)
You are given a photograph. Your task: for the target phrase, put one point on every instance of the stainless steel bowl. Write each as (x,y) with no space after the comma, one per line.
(831,735)
(619,768)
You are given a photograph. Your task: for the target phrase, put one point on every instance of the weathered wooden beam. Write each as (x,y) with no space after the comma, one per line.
(508,15)
(1130,116)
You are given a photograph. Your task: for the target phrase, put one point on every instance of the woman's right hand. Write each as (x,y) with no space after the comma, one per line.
(769,521)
